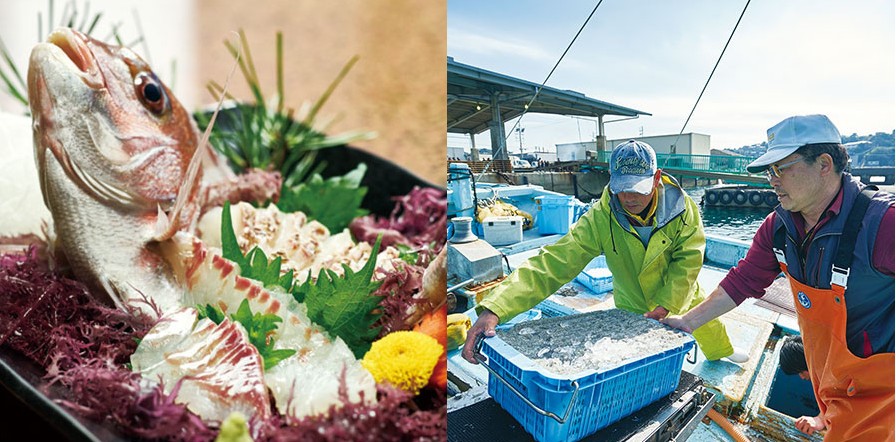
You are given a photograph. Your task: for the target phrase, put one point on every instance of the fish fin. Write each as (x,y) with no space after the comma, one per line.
(40,155)
(58,261)
(163,229)
(192,179)
(115,294)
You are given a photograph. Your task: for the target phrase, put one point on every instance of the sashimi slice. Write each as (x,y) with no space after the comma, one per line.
(306,383)
(221,372)
(303,245)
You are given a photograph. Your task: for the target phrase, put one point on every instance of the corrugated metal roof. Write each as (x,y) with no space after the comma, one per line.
(470,90)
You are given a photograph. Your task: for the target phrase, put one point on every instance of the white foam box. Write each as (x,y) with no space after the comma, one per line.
(502,230)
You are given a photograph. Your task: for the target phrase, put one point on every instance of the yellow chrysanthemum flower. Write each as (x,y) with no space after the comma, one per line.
(404,359)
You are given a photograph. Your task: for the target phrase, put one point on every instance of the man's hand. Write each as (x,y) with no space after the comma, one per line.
(658,313)
(484,325)
(678,322)
(717,304)
(809,425)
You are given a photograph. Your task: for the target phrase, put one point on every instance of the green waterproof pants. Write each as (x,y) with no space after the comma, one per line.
(713,340)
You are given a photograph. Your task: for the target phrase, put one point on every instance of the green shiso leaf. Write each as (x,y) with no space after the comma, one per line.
(334,202)
(255,264)
(345,306)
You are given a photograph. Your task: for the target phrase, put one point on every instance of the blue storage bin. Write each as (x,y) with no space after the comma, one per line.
(551,309)
(528,315)
(555,213)
(596,276)
(603,397)
(580,209)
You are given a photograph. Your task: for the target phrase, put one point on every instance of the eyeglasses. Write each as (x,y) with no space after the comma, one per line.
(774,171)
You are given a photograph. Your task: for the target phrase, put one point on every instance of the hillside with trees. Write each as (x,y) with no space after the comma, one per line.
(873,150)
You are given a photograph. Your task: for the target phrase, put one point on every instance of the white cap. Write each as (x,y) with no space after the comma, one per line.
(793,133)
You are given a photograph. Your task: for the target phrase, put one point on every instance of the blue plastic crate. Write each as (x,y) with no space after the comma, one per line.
(528,315)
(603,397)
(596,276)
(551,309)
(579,210)
(555,213)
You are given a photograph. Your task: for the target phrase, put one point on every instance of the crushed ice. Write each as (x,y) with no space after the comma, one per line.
(598,340)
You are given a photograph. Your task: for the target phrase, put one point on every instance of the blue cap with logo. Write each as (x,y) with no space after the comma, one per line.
(794,132)
(632,167)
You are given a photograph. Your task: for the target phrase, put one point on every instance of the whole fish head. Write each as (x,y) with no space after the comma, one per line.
(114,152)
(114,128)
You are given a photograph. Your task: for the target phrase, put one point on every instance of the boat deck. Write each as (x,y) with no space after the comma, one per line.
(743,393)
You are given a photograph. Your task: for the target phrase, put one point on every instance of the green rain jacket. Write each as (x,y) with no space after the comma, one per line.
(662,274)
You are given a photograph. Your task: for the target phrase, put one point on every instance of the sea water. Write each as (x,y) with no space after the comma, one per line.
(735,222)
(730,222)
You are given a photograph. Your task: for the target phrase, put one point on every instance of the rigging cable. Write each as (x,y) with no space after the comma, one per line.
(538,89)
(710,76)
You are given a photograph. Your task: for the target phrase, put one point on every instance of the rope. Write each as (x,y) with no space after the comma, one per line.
(710,77)
(538,89)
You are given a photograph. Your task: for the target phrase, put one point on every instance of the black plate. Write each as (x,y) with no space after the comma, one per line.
(383,179)
(29,411)
(26,409)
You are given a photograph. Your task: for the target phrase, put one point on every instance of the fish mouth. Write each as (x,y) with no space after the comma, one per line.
(75,47)
(63,56)
(53,64)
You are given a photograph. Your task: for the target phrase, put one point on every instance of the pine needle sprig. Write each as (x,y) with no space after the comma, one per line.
(267,135)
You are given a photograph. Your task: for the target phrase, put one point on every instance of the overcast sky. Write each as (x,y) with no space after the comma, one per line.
(787,58)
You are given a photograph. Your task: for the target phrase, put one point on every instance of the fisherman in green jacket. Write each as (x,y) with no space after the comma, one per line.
(652,237)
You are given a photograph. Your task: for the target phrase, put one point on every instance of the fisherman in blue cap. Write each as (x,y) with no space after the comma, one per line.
(650,232)
(833,238)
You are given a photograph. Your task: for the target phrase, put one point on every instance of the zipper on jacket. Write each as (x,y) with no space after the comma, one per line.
(818,265)
(612,239)
(819,237)
(802,257)
(801,252)
(799,255)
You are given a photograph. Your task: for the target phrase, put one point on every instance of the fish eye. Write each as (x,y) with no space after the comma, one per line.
(150,92)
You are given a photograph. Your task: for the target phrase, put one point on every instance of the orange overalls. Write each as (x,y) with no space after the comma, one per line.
(855,395)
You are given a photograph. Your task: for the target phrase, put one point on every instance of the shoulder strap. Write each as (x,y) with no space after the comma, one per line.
(847,245)
(778,240)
